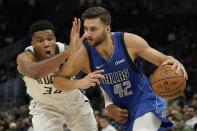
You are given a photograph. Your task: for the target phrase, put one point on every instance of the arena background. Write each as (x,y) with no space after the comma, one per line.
(167,25)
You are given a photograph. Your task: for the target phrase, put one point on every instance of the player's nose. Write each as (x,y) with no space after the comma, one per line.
(46,43)
(88,34)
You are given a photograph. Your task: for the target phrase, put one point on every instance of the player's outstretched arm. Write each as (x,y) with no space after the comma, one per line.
(64,83)
(139,47)
(76,62)
(29,66)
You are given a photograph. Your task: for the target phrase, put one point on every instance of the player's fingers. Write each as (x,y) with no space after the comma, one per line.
(186,76)
(72,29)
(122,119)
(92,84)
(166,62)
(175,65)
(83,37)
(97,81)
(75,19)
(124,111)
(184,73)
(124,115)
(98,72)
(97,76)
(178,69)
(79,25)
(74,25)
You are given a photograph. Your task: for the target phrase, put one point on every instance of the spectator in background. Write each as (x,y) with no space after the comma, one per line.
(190,116)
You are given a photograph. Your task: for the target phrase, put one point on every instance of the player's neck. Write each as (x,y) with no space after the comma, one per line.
(106,48)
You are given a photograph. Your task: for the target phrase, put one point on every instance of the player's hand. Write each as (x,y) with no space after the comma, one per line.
(92,79)
(117,113)
(176,65)
(75,40)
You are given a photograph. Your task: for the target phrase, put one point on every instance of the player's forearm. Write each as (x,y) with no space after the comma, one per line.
(65,84)
(45,67)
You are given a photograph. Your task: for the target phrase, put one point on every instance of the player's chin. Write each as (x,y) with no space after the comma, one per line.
(91,43)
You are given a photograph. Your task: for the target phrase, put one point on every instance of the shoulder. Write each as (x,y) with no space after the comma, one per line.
(29,48)
(28,52)
(61,46)
(26,56)
(132,37)
(133,40)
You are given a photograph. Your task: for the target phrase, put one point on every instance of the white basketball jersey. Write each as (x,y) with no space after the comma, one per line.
(42,89)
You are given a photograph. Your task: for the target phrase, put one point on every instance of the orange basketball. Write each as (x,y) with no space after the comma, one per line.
(166,83)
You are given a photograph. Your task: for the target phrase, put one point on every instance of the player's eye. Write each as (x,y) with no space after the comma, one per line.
(85,29)
(39,40)
(50,38)
(93,29)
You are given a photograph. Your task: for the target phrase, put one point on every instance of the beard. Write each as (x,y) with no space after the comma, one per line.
(98,41)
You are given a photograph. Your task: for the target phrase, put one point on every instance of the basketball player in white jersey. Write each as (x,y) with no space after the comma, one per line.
(50,107)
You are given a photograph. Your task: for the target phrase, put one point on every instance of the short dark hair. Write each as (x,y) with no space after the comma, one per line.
(192,106)
(97,12)
(41,25)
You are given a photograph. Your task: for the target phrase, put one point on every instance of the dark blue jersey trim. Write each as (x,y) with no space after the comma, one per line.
(132,64)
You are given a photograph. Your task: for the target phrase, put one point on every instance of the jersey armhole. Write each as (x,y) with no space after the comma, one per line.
(130,61)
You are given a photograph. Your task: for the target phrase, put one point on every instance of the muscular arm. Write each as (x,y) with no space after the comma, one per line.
(139,47)
(29,66)
(76,62)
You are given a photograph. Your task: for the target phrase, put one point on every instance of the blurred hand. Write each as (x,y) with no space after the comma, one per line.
(75,40)
(117,113)
(176,65)
(92,79)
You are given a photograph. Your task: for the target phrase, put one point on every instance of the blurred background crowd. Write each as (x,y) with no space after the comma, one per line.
(167,25)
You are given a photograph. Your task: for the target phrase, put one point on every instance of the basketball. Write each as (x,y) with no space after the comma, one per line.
(167,83)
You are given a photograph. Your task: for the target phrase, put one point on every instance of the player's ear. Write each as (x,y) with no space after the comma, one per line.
(54,38)
(108,28)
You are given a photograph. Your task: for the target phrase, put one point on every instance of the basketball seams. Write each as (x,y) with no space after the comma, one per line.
(173,89)
(161,68)
(171,98)
(166,79)
(166,83)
